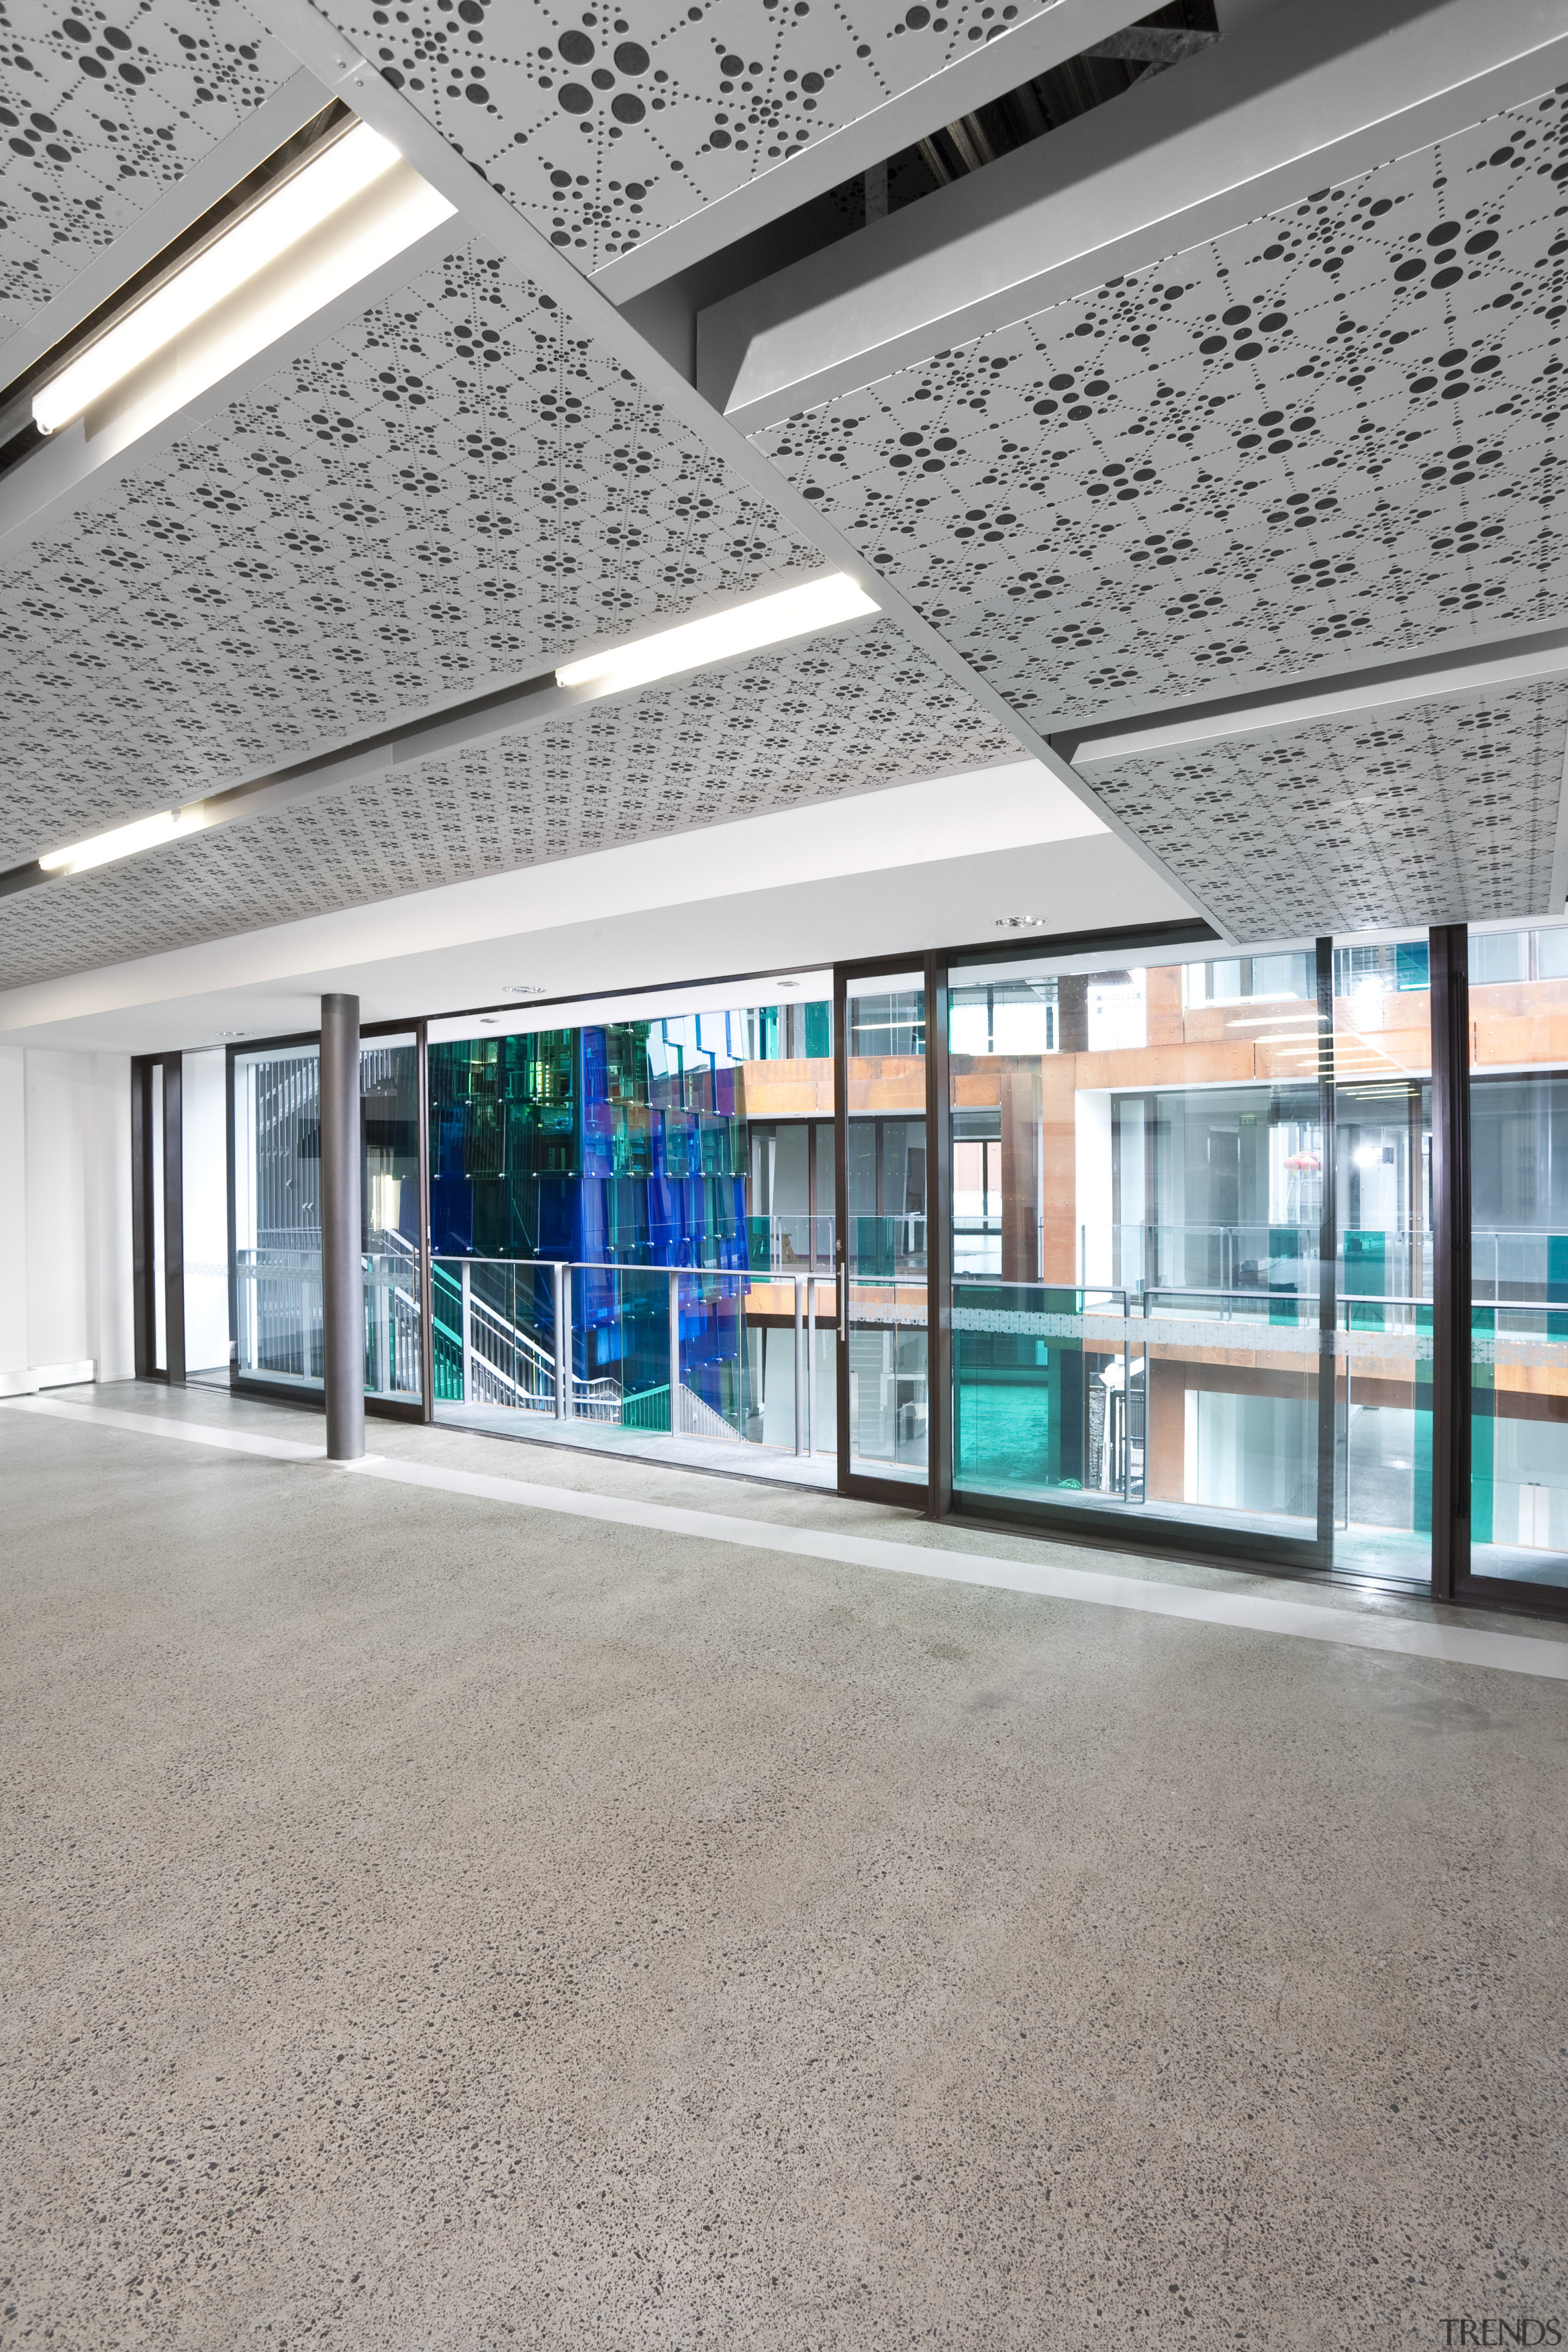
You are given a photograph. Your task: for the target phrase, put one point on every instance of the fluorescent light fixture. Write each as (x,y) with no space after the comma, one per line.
(276,250)
(126,841)
(765,621)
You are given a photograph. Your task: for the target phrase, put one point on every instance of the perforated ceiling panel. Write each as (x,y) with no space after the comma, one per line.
(840,714)
(102,109)
(460,494)
(604,126)
(1445,811)
(1329,437)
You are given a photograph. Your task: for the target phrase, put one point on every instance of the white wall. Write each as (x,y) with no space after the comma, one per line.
(205,1177)
(12,1213)
(66,1300)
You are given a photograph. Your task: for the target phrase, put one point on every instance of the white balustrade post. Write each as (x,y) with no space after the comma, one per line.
(381,1301)
(811,1363)
(674,1350)
(563,1342)
(466,1310)
(799,1364)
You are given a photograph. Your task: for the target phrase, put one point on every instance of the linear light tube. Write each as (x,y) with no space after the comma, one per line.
(765,621)
(124,841)
(276,226)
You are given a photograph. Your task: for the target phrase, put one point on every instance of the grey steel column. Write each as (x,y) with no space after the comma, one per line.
(1328,1262)
(1452,1291)
(172,1143)
(939,1246)
(141,1252)
(342,1282)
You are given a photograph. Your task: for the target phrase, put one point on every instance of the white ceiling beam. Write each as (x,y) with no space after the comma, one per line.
(1292,100)
(1483,669)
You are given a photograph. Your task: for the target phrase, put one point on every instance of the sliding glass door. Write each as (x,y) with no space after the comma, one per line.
(883,1189)
(1517,1030)
(1191,1231)
(1138,1192)
(276,1261)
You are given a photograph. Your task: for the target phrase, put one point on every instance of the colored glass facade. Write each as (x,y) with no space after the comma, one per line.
(615,1151)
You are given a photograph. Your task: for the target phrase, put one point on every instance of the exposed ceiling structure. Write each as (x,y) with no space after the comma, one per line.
(1320,438)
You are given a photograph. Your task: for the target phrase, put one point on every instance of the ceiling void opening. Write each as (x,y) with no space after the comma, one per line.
(667,312)
(1093,78)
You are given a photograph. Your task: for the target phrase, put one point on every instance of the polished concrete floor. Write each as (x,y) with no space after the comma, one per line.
(435,1919)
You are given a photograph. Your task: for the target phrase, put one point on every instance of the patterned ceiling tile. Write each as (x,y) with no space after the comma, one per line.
(1332,435)
(460,494)
(102,109)
(1445,811)
(604,127)
(805,723)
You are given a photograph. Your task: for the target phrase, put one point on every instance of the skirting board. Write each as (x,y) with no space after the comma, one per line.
(47,1376)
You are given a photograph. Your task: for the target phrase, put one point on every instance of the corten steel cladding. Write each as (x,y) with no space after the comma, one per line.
(342,1286)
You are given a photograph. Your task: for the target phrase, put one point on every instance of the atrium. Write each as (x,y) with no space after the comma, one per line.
(784,1270)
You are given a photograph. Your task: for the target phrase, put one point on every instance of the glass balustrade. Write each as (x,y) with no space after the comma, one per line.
(706,1355)
(278,1296)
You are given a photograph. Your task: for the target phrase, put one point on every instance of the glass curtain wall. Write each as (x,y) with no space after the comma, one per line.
(1519,1203)
(632,1227)
(278,1224)
(1142,1161)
